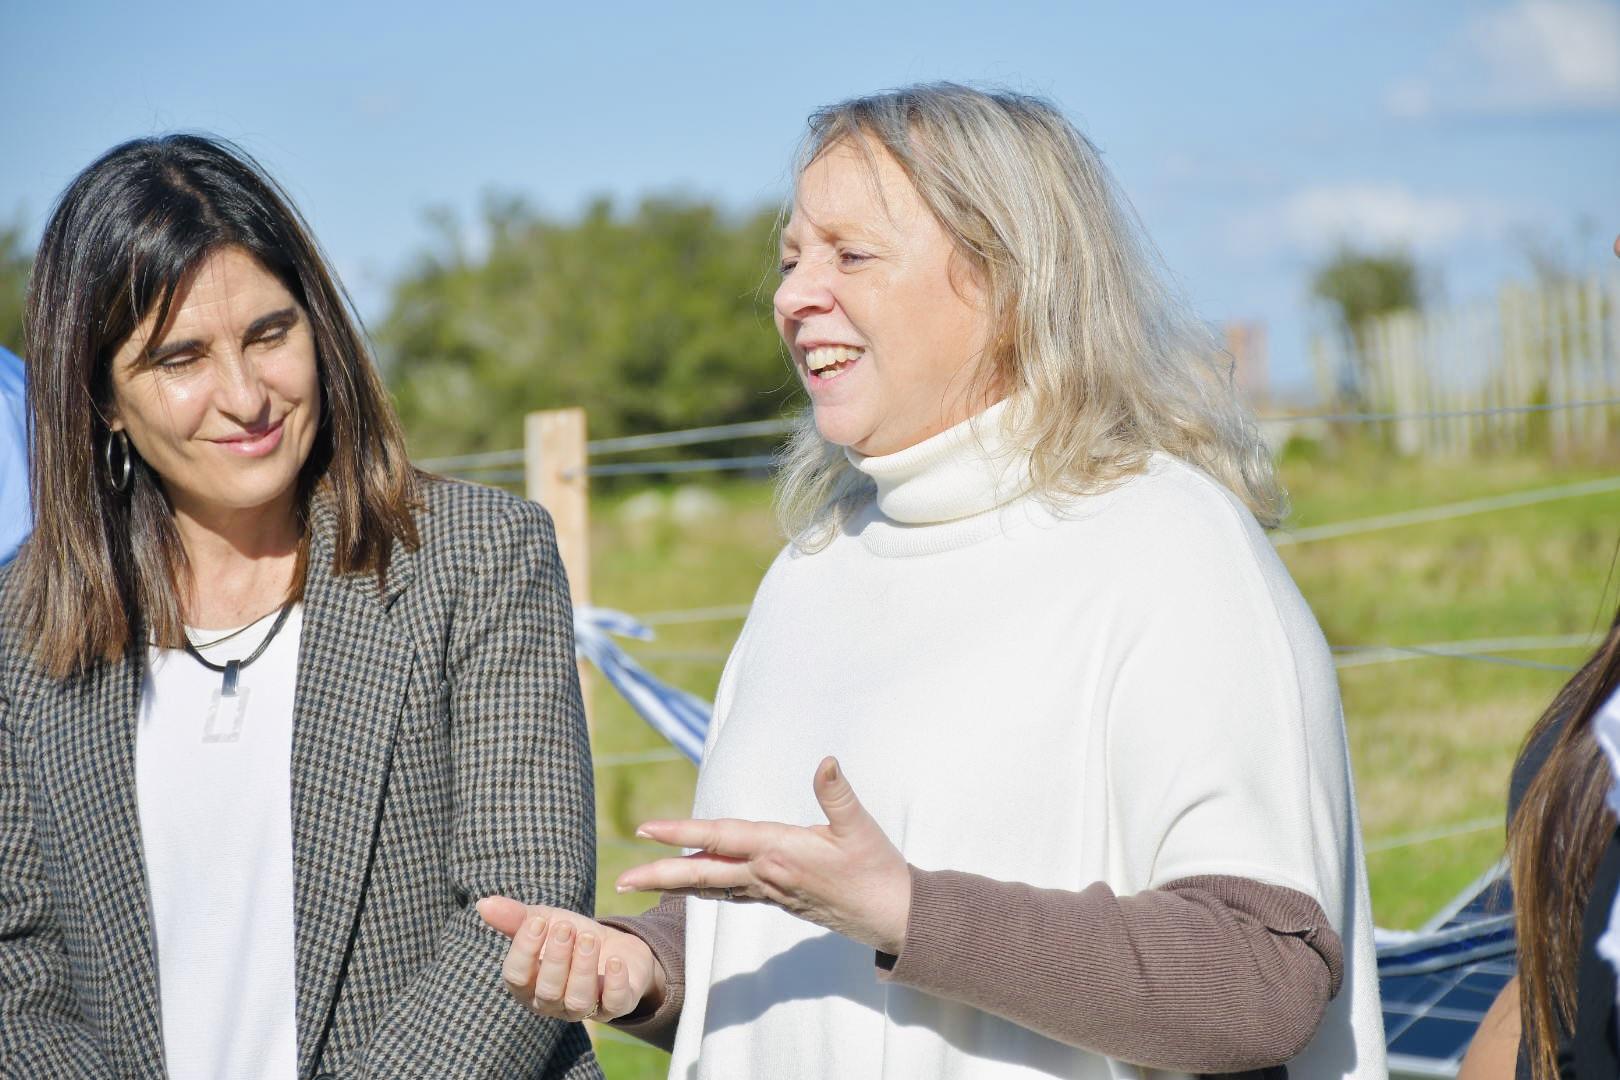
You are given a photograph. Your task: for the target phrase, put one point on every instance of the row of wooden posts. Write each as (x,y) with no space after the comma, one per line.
(1555,345)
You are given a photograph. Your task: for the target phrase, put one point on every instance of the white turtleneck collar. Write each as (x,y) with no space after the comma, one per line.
(959,473)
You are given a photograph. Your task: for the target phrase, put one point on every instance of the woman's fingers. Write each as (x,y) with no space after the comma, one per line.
(507,915)
(723,836)
(581,991)
(566,985)
(556,960)
(703,873)
(619,998)
(567,966)
(837,798)
(522,963)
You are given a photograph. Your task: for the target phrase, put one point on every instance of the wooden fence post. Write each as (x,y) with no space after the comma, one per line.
(1323,365)
(1411,383)
(1516,366)
(1597,366)
(554,460)
(1557,369)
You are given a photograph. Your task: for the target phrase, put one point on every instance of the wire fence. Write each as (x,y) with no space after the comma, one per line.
(1442,414)
(1441,832)
(1447,511)
(1479,650)
(502,459)
(501,466)
(748,463)
(637,757)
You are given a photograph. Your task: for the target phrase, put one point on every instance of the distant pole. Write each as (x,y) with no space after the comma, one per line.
(1517,382)
(1557,354)
(1411,383)
(1246,345)
(1595,382)
(554,477)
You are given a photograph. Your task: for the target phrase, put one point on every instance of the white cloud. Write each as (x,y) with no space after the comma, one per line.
(1367,216)
(1527,56)
(1409,98)
(1553,52)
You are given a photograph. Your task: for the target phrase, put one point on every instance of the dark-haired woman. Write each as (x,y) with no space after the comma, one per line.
(1557,1018)
(276,708)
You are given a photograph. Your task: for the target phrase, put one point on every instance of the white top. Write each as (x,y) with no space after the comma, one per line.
(1606,728)
(1132,691)
(214,790)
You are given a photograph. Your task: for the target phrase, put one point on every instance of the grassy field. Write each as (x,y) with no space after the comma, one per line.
(1432,738)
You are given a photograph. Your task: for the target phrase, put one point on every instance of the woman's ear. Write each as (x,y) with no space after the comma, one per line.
(107,412)
(969,278)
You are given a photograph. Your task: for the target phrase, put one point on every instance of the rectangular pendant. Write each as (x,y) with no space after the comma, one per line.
(226,714)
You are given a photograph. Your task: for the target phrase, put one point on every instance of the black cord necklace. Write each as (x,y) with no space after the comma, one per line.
(232,669)
(227,637)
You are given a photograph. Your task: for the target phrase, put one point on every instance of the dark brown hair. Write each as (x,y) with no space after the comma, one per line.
(1555,841)
(103,566)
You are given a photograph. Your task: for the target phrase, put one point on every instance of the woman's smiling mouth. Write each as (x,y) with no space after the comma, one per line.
(254,443)
(827,362)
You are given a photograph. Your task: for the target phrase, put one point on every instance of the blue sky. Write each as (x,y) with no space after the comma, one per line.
(1251,137)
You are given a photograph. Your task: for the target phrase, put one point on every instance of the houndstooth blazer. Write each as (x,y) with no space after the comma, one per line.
(439,755)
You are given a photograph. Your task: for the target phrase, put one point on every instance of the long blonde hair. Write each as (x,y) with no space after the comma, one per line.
(1103,363)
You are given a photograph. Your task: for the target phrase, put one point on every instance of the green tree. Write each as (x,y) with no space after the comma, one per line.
(15,260)
(1360,286)
(652,319)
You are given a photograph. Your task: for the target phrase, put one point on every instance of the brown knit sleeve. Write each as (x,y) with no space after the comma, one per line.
(664,930)
(1205,975)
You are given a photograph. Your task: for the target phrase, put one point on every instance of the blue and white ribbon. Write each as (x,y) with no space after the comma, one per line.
(678,716)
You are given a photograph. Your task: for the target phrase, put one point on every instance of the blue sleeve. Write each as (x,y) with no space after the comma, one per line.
(15,519)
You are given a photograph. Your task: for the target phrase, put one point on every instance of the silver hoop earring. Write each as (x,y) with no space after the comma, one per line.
(121,475)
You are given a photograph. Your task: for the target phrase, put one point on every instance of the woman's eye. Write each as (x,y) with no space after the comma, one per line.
(274,337)
(785,267)
(848,257)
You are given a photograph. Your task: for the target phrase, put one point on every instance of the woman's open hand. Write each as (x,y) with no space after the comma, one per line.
(844,875)
(566,966)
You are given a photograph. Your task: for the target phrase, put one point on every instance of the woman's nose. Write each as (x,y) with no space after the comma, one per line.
(804,291)
(241,393)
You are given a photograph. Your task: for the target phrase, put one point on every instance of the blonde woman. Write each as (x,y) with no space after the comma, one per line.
(1105,822)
